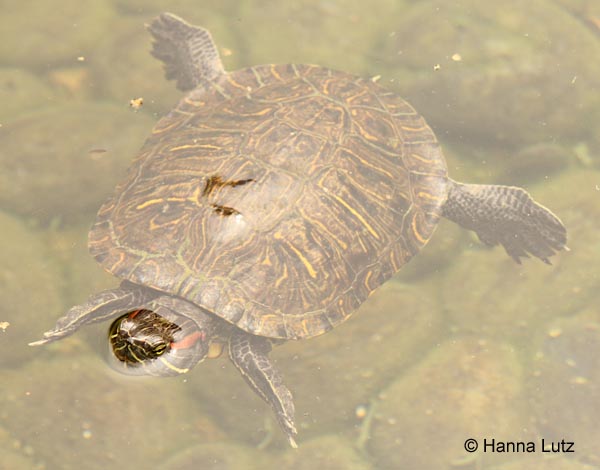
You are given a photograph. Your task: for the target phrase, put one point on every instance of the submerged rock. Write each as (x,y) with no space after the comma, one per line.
(465,388)
(327,452)
(565,383)
(183,8)
(331,34)
(38,32)
(486,292)
(21,91)
(125,70)
(552,462)
(514,72)
(30,289)
(536,163)
(82,275)
(218,456)
(65,161)
(547,463)
(15,456)
(589,155)
(329,376)
(446,244)
(334,374)
(75,412)
(586,11)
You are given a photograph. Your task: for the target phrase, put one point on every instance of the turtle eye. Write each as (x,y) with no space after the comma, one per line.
(145,343)
(159,349)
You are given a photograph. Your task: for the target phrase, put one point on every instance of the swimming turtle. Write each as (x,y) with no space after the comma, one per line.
(267,206)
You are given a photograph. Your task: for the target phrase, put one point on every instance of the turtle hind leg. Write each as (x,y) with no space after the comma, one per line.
(249,354)
(188,52)
(100,306)
(508,216)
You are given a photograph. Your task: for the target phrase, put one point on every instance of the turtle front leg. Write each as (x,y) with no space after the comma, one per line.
(506,215)
(100,306)
(249,354)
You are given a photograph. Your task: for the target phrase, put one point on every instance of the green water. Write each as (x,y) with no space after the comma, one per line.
(462,343)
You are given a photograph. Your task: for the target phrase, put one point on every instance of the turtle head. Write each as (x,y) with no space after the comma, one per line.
(157,341)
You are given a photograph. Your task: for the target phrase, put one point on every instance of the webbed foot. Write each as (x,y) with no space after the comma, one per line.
(100,306)
(250,355)
(508,216)
(188,52)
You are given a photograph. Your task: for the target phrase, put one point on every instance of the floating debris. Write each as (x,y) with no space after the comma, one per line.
(579,380)
(366,413)
(456,57)
(555,332)
(4,325)
(86,432)
(361,411)
(136,103)
(97,153)
(436,67)
(376,78)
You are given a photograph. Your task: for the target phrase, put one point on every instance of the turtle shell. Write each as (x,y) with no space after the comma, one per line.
(277,199)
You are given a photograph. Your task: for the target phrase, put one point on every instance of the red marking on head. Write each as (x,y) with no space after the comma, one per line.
(133,314)
(189,340)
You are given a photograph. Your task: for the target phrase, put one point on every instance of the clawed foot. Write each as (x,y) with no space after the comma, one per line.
(534,232)
(49,337)
(249,354)
(98,307)
(508,216)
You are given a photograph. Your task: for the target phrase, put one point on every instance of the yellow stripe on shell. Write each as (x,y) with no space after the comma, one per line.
(307,265)
(275,73)
(426,195)
(283,277)
(195,146)
(415,231)
(413,129)
(358,216)
(194,198)
(235,84)
(422,158)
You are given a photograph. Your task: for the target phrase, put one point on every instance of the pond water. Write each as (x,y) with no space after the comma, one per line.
(463,343)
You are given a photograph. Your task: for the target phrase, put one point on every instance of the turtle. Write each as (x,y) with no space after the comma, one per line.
(267,206)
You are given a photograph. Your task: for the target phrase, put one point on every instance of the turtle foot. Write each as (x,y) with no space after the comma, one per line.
(508,216)
(49,337)
(188,52)
(99,307)
(250,356)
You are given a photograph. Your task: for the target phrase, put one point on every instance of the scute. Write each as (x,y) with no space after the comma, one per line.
(278,198)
